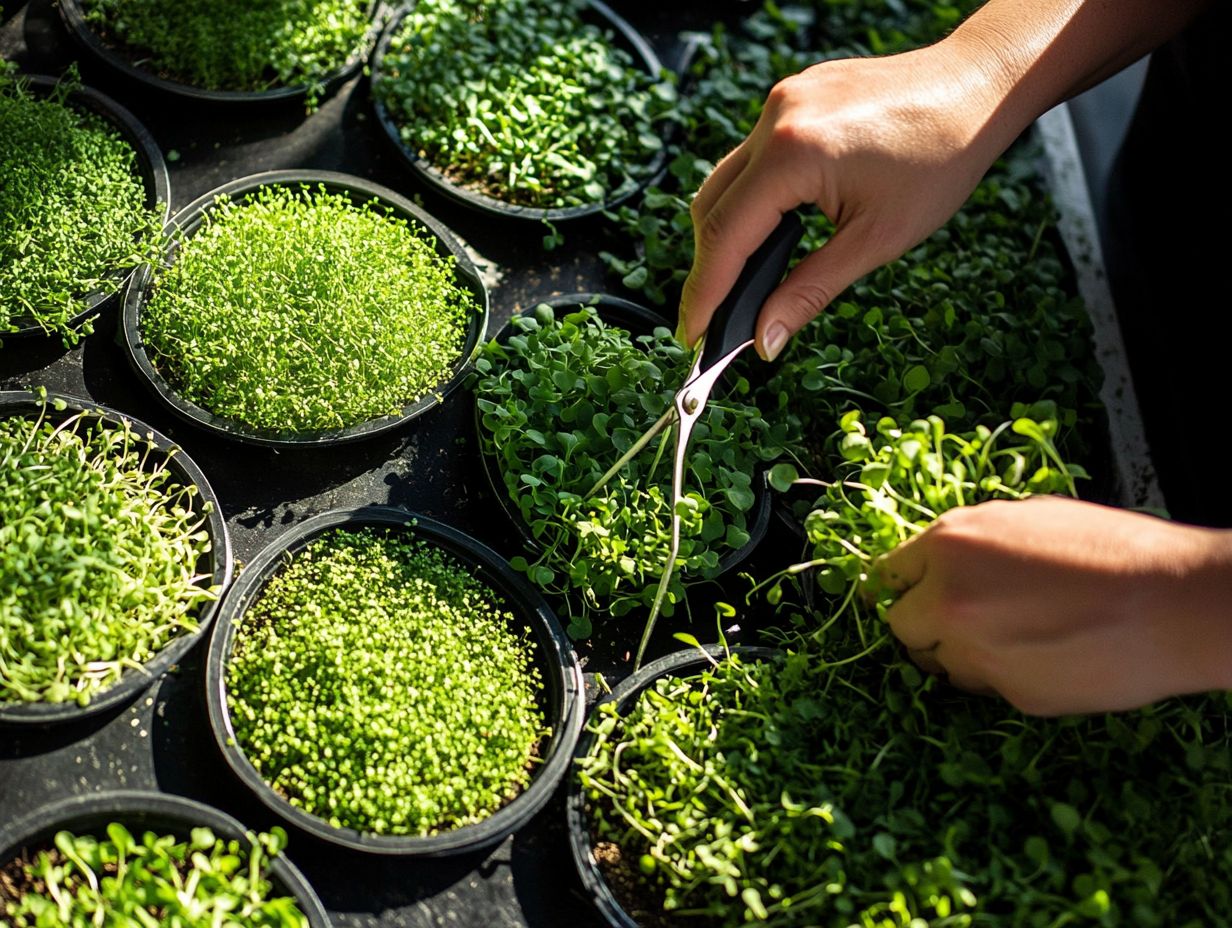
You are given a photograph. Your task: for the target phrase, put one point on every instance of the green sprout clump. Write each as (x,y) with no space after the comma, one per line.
(559,402)
(101,548)
(234,45)
(72,210)
(296,310)
(157,879)
(378,685)
(522,100)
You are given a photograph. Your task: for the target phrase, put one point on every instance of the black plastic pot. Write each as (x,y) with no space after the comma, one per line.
(581,844)
(139,811)
(557,662)
(190,218)
(637,320)
(118,58)
(625,36)
(150,164)
(217,566)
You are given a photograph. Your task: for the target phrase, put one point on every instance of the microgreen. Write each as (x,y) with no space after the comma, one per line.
(101,547)
(151,880)
(232,45)
(72,209)
(523,100)
(377,684)
(294,309)
(559,401)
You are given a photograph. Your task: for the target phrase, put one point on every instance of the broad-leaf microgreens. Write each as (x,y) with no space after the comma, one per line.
(72,209)
(235,45)
(375,683)
(295,309)
(559,401)
(101,548)
(157,879)
(523,100)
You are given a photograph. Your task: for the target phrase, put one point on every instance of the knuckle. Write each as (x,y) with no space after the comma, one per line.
(710,231)
(804,302)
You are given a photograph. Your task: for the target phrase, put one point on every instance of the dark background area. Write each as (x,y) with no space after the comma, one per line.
(162,740)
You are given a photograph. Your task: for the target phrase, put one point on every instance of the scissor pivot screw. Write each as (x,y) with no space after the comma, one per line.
(690,405)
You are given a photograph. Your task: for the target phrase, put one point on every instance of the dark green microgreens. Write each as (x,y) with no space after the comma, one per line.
(205,882)
(235,45)
(295,309)
(522,100)
(101,548)
(72,209)
(559,401)
(378,685)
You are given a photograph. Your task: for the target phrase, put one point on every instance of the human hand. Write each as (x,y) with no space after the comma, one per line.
(888,148)
(1063,606)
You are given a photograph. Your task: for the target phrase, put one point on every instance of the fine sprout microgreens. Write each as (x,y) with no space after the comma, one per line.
(72,209)
(232,44)
(522,100)
(148,881)
(559,401)
(101,546)
(375,683)
(295,310)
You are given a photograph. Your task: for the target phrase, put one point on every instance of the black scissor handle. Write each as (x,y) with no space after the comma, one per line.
(735,321)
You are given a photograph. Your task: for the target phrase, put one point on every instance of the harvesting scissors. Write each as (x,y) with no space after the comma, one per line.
(730,332)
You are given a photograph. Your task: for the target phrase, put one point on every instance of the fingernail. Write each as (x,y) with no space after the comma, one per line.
(776,338)
(682,334)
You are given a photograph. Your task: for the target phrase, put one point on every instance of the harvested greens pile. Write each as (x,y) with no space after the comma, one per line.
(101,548)
(526,101)
(294,309)
(72,209)
(375,683)
(154,879)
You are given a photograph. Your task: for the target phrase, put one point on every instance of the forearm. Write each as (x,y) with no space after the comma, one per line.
(1205,620)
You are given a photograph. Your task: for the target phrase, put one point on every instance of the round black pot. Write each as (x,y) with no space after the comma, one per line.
(121,60)
(558,664)
(190,218)
(138,811)
(637,320)
(681,664)
(150,165)
(624,35)
(217,566)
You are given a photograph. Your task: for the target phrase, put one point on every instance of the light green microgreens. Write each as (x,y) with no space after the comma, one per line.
(72,209)
(100,548)
(560,401)
(151,881)
(377,684)
(235,44)
(294,309)
(522,100)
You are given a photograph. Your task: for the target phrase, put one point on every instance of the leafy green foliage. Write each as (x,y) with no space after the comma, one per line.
(101,548)
(522,100)
(233,44)
(295,309)
(378,685)
(155,880)
(559,401)
(72,209)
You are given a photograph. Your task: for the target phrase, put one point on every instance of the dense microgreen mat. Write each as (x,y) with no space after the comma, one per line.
(241,45)
(72,209)
(101,544)
(560,400)
(527,101)
(377,684)
(295,309)
(147,881)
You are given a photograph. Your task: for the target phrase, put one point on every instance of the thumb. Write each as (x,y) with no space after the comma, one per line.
(814,283)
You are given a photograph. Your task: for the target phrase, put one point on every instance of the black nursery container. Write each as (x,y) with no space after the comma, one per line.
(188,220)
(218,561)
(138,811)
(562,697)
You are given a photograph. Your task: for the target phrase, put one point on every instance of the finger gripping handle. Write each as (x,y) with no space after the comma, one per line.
(735,320)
